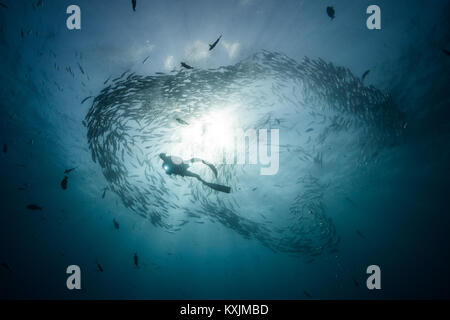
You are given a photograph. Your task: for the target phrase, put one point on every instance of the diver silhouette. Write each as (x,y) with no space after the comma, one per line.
(175,165)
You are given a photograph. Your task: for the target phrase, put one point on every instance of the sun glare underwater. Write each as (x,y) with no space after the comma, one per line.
(305,148)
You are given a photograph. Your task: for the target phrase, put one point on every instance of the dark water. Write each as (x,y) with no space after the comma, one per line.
(363,163)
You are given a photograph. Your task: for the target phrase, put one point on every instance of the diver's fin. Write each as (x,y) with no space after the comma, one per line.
(218,187)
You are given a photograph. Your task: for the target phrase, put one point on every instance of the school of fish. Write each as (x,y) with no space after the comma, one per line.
(325,116)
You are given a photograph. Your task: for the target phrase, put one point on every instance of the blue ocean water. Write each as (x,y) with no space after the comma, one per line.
(363,165)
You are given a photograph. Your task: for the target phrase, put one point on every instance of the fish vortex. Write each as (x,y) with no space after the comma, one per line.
(316,106)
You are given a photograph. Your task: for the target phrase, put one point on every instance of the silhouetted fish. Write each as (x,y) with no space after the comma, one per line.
(360,234)
(212,46)
(6,266)
(446,52)
(5,148)
(99,266)
(136,260)
(181,121)
(81,68)
(331,12)
(365,75)
(133,3)
(34,207)
(145,60)
(23,187)
(183,223)
(107,80)
(116,224)
(64,183)
(3,5)
(40,3)
(350,201)
(104,193)
(307,294)
(69,170)
(85,99)
(184,65)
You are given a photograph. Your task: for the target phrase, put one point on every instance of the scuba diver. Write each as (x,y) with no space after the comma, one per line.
(176,166)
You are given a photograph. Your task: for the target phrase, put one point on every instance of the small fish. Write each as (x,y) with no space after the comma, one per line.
(184,65)
(254,189)
(64,183)
(350,201)
(183,223)
(104,193)
(360,234)
(69,170)
(181,121)
(34,207)
(145,60)
(365,75)
(99,266)
(5,148)
(446,52)
(212,46)
(23,187)
(3,5)
(334,250)
(133,3)
(39,3)
(6,266)
(136,261)
(85,99)
(107,80)
(309,130)
(116,225)
(331,12)
(124,74)
(307,294)
(81,68)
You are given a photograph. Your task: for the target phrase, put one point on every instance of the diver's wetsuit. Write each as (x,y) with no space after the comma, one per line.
(180,168)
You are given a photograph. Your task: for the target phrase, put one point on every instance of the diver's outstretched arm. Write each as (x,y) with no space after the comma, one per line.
(210,165)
